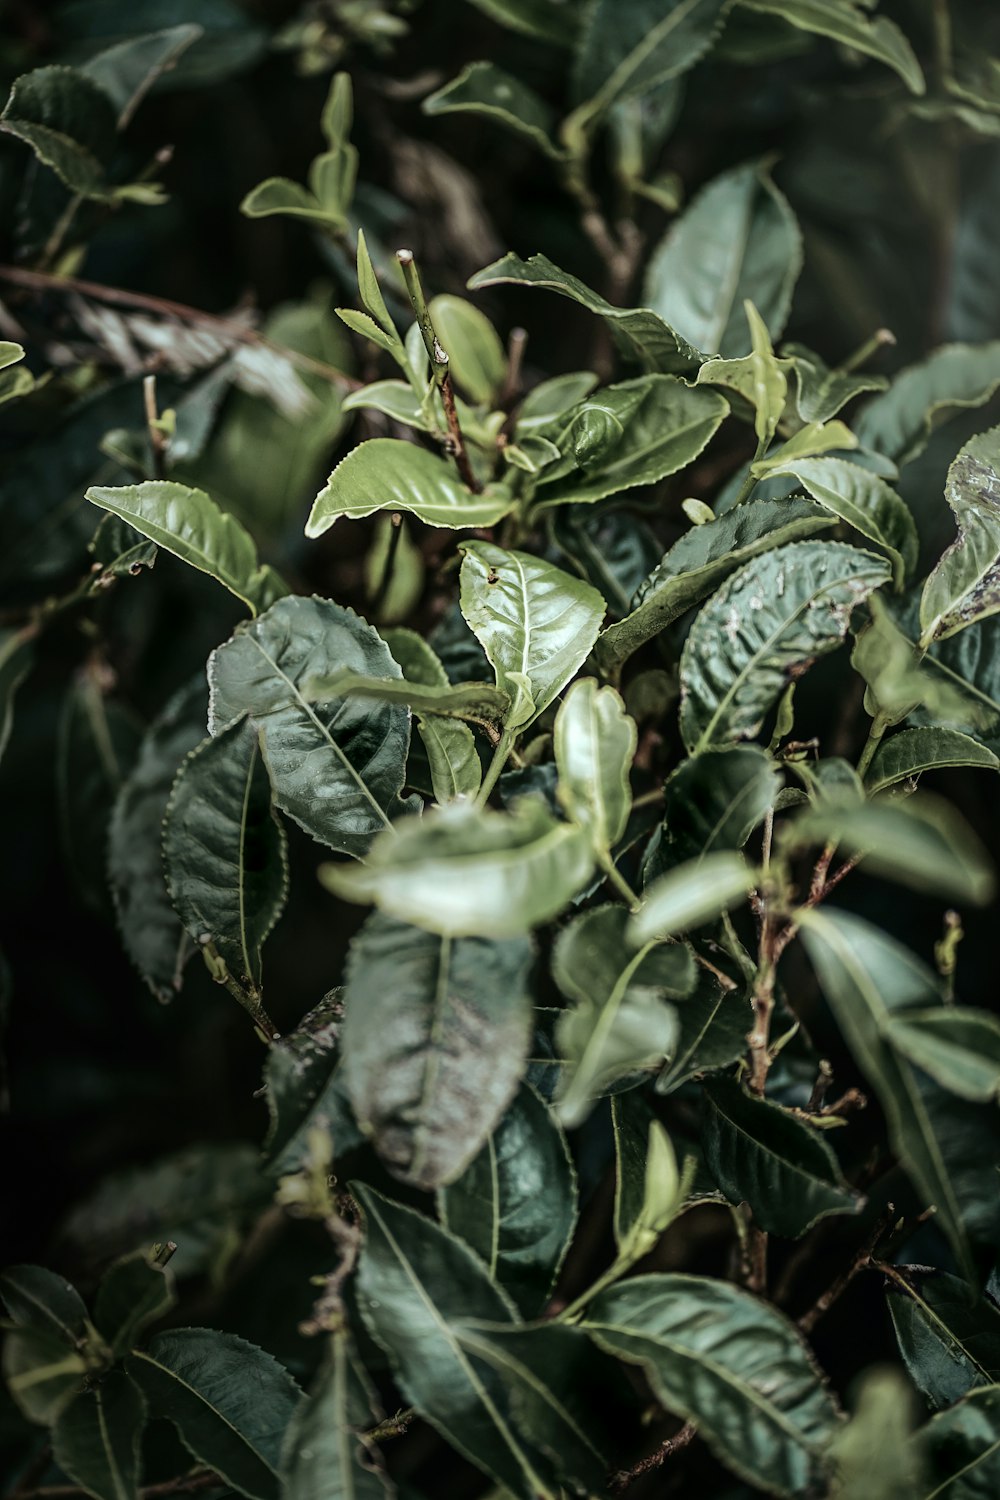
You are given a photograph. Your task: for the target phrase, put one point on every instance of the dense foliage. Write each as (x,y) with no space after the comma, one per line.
(630,680)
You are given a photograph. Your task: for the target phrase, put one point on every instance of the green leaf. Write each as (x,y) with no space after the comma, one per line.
(769,622)
(915,750)
(698,561)
(714,1023)
(535,623)
(847,22)
(388,474)
(820,393)
(864,501)
(921,397)
(594,741)
(134,1292)
(618,1023)
(224,850)
(435,1043)
(965,584)
(127,71)
(463,871)
(279,195)
(484,89)
(967,667)
(723,1359)
(455,767)
(96,1440)
(189,524)
(758,376)
(323,1456)
(872,1455)
(811,441)
(649,1190)
(10,353)
(543,20)
(714,801)
(69,123)
(38,1299)
(476,356)
(42,1372)
(307,1090)
(418,1289)
(950,1344)
(869,980)
(763,1155)
(478,701)
(229,1401)
(152,933)
(539,413)
(630,434)
(515,1203)
(691,895)
(959,1047)
(921,841)
(337,769)
(738,239)
(895,671)
(641,334)
(961,1448)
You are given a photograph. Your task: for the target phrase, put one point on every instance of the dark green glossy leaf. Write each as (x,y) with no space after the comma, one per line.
(39,1299)
(97,1438)
(915,750)
(766,624)
(484,89)
(958,1046)
(714,1024)
(435,1042)
(611,549)
(515,1203)
(761,1154)
(864,501)
(69,123)
(336,768)
(950,1343)
(387,474)
(133,1293)
(307,1090)
(230,1401)
(899,423)
(961,1449)
(224,850)
(126,72)
(965,585)
(323,1456)
(712,802)
(721,1358)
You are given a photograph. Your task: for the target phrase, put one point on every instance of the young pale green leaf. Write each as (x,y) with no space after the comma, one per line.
(134,1292)
(39,1299)
(594,741)
(306,1089)
(873,1455)
(467,872)
(848,22)
(10,353)
(152,933)
(698,561)
(484,89)
(224,850)
(96,1440)
(898,679)
(189,524)
(811,441)
(768,623)
(476,356)
(961,1448)
(323,1456)
(639,332)
(758,376)
(542,20)
(738,240)
(393,398)
(820,393)
(915,750)
(864,501)
(280,195)
(535,623)
(649,1190)
(619,1022)
(736,1367)
(690,895)
(899,423)
(950,1343)
(419,1291)
(337,768)
(69,123)
(959,1047)
(965,585)
(762,1155)
(435,1042)
(42,1372)
(713,801)
(515,1203)
(921,841)
(869,980)
(230,1402)
(388,474)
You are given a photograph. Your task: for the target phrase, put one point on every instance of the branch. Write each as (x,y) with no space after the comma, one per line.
(861,1262)
(675,1444)
(184,1484)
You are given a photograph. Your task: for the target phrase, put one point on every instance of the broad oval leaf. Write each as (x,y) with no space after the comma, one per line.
(950,1343)
(739,239)
(961,1448)
(484,89)
(690,895)
(97,1438)
(230,1401)
(464,871)
(476,356)
(762,1155)
(69,123)
(851,26)
(712,802)
(958,1046)
(224,850)
(594,741)
(699,560)
(915,750)
(764,626)
(37,1298)
(865,502)
(435,1042)
(337,768)
(725,1360)
(899,422)
(388,474)
(535,622)
(515,1203)
(189,524)
(965,584)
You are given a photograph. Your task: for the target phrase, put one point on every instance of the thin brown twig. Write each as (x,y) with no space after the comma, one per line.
(675,1444)
(455,438)
(807,1322)
(183,1484)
